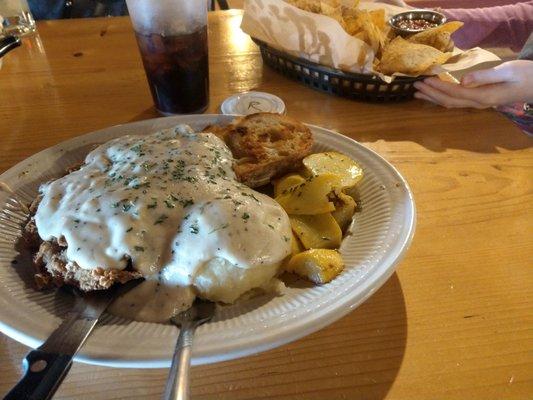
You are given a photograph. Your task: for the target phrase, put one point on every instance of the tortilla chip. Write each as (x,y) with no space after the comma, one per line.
(361,58)
(326,5)
(375,64)
(438,37)
(313,6)
(447,77)
(352,25)
(410,58)
(362,26)
(329,7)
(376,37)
(348,5)
(378,18)
(350,13)
(332,9)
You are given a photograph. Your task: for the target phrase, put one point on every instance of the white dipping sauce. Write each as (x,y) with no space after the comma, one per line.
(170,202)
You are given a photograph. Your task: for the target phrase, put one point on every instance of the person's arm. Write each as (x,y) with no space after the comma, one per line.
(499,26)
(510,82)
(487,25)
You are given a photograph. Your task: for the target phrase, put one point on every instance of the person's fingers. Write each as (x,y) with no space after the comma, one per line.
(449,101)
(500,73)
(512,82)
(422,96)
(446,87)
(486,95)
(445,99)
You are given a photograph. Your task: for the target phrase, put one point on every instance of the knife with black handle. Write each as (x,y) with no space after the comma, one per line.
(46,367)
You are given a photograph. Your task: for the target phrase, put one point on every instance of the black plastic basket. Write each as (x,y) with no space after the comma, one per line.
(345,84)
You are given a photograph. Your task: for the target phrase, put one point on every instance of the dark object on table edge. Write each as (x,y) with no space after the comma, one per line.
(8,43)
(47,365)
(66,9)
(344,84)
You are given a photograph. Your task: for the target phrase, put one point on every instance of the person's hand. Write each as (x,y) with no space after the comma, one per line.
(510,82)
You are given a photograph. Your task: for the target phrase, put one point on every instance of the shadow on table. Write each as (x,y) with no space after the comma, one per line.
(439,129)
(356,358)
(149,113)
(478,131)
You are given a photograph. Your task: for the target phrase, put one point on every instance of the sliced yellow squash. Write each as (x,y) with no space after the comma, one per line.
(310,197)
(317,265)
(287,182)
(296,245)
(344,209)
(317,231)
(335,163)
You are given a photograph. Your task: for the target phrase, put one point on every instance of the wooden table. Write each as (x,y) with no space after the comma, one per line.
(454,322)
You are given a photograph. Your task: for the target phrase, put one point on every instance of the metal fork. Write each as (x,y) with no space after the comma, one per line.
(177,386)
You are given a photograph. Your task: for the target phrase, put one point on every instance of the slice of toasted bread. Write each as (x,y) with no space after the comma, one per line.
(265,146)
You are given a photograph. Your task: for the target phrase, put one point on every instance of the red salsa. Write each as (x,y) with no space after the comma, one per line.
(416,24)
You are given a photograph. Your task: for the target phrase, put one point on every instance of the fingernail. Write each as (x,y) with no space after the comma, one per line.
(417,84)
(467,80)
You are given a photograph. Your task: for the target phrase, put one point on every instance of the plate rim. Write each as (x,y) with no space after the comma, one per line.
(307,325)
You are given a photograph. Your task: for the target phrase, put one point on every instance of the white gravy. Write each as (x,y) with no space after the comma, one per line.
(170,202)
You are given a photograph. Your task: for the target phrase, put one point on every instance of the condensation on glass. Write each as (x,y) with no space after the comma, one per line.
(16,18)
(172,39)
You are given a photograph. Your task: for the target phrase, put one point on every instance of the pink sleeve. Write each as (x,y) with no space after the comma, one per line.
(494,23)
(459,3)
(499,26)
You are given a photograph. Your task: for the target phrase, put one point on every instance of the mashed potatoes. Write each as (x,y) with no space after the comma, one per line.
(219,280)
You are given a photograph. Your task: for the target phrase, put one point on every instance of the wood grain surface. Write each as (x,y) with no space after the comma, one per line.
(454,322)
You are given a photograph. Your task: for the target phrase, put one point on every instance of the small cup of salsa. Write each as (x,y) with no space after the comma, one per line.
(414,21)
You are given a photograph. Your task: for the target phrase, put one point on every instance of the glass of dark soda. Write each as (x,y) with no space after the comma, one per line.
(172,39)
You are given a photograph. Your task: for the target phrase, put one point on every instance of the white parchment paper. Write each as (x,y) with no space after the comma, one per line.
(321,39)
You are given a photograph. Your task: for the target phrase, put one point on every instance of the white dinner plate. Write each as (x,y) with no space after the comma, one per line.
(381,234)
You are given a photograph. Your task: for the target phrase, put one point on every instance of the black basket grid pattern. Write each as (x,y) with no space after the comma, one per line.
(345,84)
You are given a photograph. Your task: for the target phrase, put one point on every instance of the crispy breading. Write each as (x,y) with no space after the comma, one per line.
(265,146)
(53,269)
